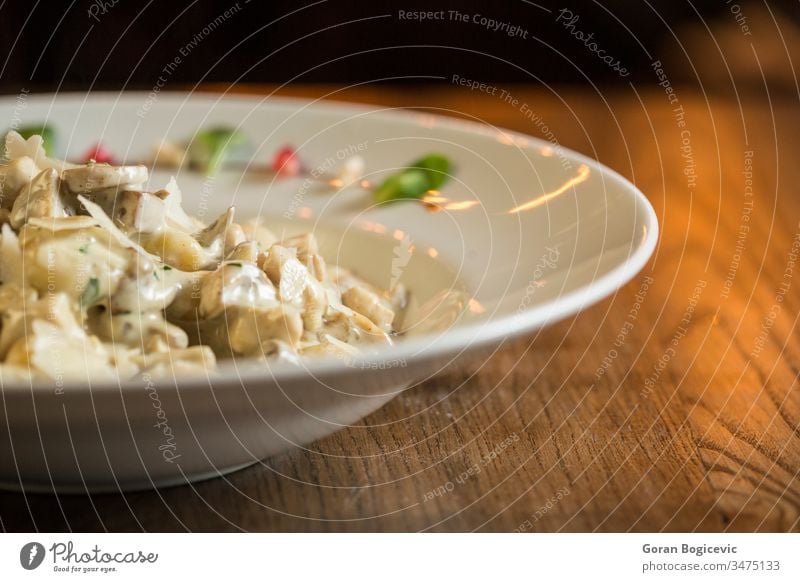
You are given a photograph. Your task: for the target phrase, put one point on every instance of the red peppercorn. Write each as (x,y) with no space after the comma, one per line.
(100,154)
(286,162)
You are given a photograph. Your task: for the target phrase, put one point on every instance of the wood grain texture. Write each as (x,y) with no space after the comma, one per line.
(542,435)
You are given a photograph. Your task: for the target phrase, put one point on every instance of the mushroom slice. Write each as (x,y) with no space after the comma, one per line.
(217,228)
(140,211)
(38,199)
(369,305)
(213,236)
(13,177)
(94,177)
(235,284)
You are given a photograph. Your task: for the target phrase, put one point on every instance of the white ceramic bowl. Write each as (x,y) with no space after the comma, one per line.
(551,233)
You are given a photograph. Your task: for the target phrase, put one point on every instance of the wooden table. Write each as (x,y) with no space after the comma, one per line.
(689,419)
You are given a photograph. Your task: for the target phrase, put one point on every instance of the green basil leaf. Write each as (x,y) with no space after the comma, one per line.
(437,167)
(48,135)
(211,148)
(426,173)
(402,186)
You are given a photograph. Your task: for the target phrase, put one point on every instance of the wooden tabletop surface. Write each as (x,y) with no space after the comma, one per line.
(673,405)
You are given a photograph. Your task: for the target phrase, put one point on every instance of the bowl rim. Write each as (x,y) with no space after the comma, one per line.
(459,338)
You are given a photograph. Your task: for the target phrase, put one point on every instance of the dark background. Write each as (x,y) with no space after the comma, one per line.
(57,45)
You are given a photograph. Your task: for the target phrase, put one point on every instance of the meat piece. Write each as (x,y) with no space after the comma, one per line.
(139,211)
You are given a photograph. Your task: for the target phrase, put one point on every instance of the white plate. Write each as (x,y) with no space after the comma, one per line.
(582,232)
